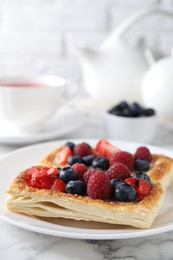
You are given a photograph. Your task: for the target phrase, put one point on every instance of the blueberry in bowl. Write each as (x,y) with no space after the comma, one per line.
(130,122)
(131,110)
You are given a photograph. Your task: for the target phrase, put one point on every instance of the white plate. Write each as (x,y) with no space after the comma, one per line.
(13,163)
(61,124)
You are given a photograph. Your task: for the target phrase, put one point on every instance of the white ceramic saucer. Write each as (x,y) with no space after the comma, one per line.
(61,124)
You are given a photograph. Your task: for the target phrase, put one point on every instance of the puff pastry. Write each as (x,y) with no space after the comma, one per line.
(48,203)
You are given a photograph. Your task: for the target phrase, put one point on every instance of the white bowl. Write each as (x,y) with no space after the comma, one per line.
(28,102)
(134,129)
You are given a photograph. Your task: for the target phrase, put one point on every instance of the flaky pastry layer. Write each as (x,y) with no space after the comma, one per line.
(47,203)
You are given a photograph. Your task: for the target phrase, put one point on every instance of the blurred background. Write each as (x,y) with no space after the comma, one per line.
(40,36)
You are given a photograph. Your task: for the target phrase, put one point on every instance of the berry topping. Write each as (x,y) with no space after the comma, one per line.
(132,181)
(74,159)
(114,183)
(70,145)
(80,168)
(52,171)
(82,149)
(39,178)
(142,175)
(68,174)
(62,155)
(105,149)
(88,173)
(123,157)
(109,174)
(87,160)
(58,185)
(100,162)
(75,187)
(118,171)
(142,165)
(125,192)
(99,186)
(143,152)
(143,189)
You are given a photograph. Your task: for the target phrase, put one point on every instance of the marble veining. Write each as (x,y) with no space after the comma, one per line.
(31,246)
(17,243)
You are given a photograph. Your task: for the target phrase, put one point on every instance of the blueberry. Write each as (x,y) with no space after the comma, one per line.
(72,159)
(114,183)
(70,145)
(113,110)
(142,165)
(116,112)
(127,112)
(123,105)
(100,162)
(59,169)
(142,175)
(87,160)
(136,109)
(68,174)
(131,110)
(119,109)
(125,192)
(149,112)
(75,187)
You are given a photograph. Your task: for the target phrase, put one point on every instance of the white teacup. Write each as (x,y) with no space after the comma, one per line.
(28,102)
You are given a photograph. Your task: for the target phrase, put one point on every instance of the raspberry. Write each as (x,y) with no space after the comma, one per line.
(99,186)
(118,171)
(123,157)
(80,168)
(82,149)
(87,175)
(143,152)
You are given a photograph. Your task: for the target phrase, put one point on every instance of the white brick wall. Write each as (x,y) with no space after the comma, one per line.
(40,36)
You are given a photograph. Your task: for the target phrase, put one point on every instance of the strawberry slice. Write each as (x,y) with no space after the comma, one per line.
(40,173)
(131,181)
(39,178)
(105,149)
(52,171)
(58,185)
(63,154)
(143,189)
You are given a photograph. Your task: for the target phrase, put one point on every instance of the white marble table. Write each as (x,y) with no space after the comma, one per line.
(16,243)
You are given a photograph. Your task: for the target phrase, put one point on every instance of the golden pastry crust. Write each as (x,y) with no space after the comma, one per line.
(50,158)
(48,203)
(161,170)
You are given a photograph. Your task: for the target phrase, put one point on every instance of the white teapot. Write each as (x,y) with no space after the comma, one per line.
(114,71)
(157,87)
